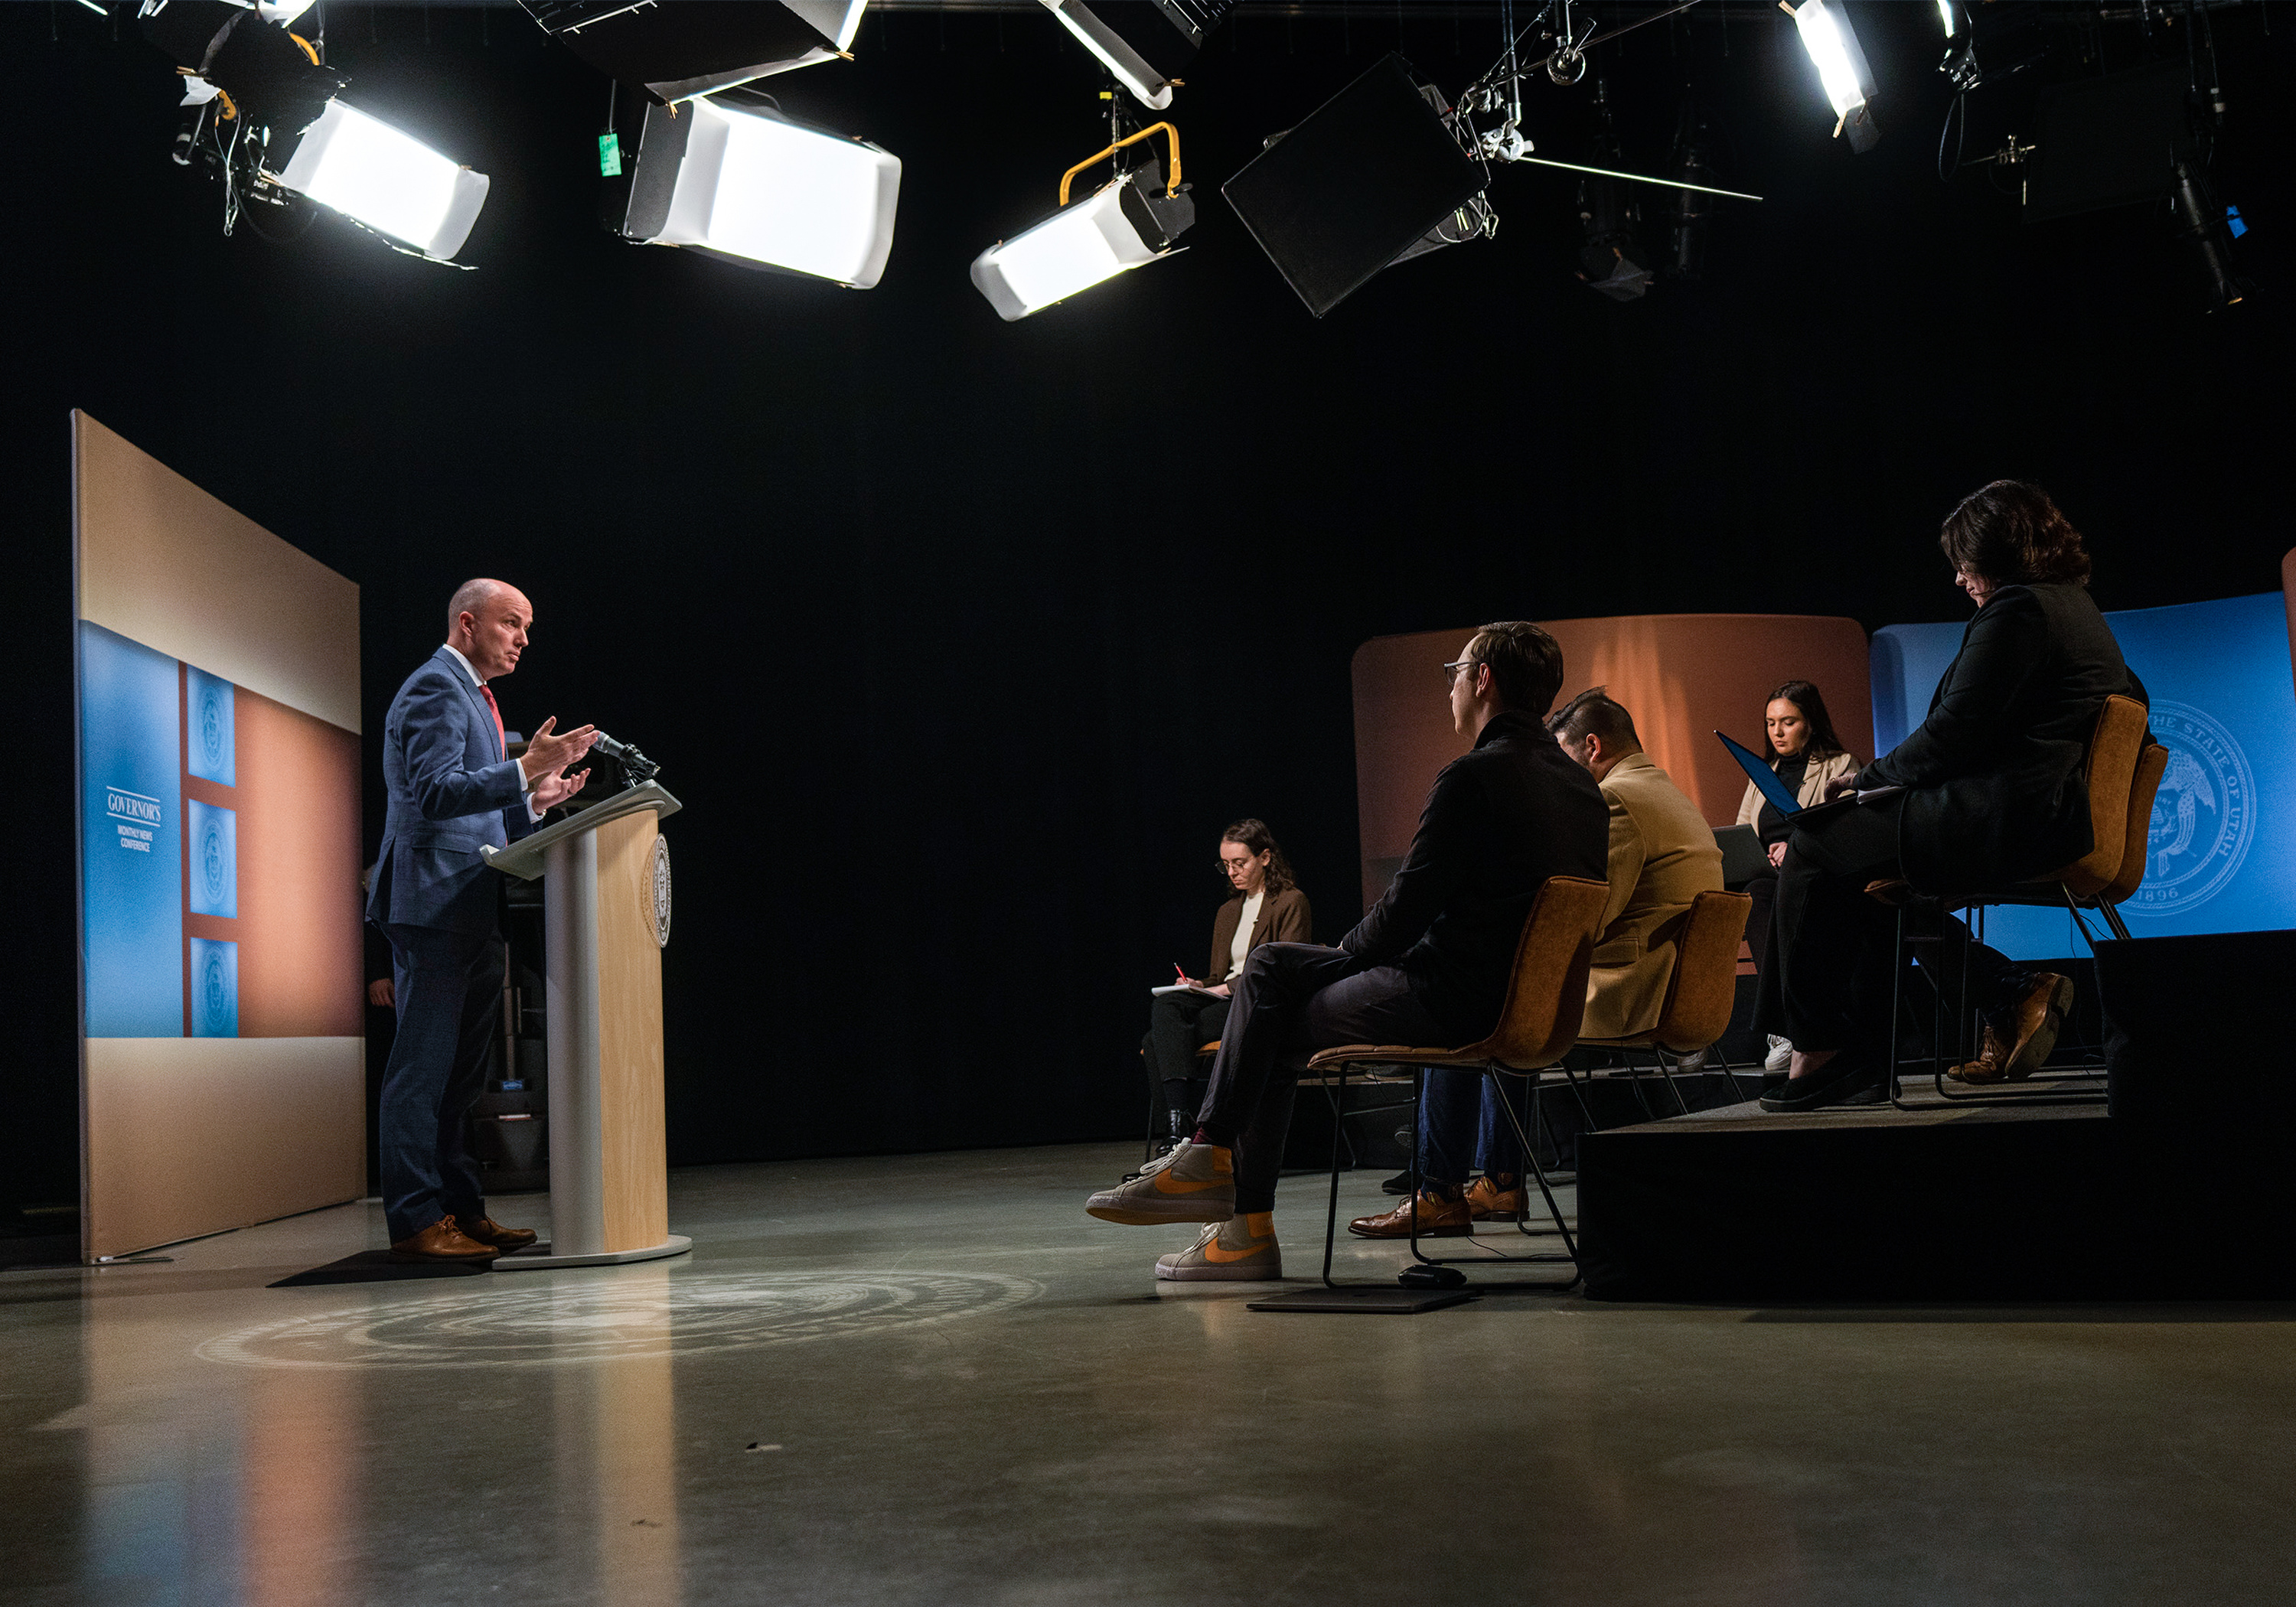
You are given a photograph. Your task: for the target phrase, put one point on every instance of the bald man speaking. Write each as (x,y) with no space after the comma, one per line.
(453,789)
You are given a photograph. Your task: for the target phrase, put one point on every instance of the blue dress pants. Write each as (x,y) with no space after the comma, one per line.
(1460,1109)
(449,988)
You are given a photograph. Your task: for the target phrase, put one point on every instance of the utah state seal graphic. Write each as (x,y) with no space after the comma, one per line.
(2203,815)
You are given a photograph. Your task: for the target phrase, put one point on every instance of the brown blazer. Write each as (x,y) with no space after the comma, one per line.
(1283,918)
(1662,855)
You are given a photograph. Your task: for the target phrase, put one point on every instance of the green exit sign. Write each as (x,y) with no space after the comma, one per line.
(609,155)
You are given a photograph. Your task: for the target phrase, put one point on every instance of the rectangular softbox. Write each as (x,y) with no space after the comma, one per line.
(1353,186)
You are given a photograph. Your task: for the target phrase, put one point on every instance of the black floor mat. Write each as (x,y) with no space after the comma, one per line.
(376,1267)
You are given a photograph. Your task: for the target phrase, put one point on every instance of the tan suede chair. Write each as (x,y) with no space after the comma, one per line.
(1703,990)
(2123,770)
(1545,1001)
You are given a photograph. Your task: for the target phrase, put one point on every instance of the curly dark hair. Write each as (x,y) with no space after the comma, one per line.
(1254,834)
(2011,533)
(1805,696)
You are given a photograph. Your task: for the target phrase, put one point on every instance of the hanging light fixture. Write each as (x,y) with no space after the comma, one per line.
(1833,49)
(1127,223)
(731,176)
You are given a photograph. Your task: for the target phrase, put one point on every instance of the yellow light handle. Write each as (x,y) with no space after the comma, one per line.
(1170,133)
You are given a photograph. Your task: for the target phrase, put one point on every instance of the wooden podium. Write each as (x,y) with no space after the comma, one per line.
(605,877)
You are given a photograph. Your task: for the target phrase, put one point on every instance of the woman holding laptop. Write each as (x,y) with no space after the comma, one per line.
(1988,790)
(1806,755)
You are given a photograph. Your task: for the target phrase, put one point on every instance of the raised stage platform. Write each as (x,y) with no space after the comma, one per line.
(1939,1202)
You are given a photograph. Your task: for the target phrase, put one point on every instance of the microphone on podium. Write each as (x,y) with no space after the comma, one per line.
(637,769)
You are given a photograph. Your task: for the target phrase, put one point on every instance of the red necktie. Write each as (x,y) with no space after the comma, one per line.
(502,742)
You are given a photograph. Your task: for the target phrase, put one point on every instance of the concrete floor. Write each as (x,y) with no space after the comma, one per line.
(934,1380)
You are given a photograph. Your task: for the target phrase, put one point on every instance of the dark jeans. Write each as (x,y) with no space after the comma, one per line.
(1831,980)
(449,988)
(1178,1025)
(1294,998)
(1460,1108)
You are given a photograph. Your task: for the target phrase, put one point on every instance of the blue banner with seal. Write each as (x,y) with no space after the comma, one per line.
(2220,848)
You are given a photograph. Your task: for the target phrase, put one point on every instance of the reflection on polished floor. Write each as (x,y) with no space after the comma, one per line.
(934,1380)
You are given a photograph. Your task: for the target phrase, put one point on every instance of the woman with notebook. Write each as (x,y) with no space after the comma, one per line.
(1806,755)
(1266,907)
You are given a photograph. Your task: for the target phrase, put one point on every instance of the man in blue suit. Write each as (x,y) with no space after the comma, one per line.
(451,789)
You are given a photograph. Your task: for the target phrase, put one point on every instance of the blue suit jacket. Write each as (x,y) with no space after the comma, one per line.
(451,790)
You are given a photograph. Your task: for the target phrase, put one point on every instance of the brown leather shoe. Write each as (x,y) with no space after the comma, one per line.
(442,1241)
(1438,1218)
(1486,1201)
(486,1230)
(2039,1017)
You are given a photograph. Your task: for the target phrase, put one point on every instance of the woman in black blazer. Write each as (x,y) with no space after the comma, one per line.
(1994,793)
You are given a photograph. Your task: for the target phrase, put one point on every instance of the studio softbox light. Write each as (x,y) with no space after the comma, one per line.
(736,179)
(1145,42)
(677,52)
(1350,190)
(391,182)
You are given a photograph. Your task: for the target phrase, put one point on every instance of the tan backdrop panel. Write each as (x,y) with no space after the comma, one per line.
(629,1038)
(1681,676)
(300,949)
(164,563)
(192,1135)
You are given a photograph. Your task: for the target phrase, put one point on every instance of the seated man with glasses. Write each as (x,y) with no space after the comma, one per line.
(1662,857)
(1429,964)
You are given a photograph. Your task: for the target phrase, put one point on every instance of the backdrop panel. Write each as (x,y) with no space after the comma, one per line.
(1683,676)
(222,1078)
(2222,842)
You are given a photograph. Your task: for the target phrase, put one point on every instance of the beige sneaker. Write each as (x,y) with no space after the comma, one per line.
(1241,1250)
(1195,1182)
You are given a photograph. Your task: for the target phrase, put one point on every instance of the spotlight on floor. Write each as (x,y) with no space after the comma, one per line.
(1833,49)
(731,175)
(256,92)
(1127,223)
(677,52)
(1143,42)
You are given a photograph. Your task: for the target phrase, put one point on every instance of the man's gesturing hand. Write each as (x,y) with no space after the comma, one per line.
(547,754)
(551,790)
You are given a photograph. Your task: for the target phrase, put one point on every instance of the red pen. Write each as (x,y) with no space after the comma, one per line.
(1178,972)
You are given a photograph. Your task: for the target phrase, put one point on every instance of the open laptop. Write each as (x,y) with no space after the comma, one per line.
(1744,857)
(1765,779)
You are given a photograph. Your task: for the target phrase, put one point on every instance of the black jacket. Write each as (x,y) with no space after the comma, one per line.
(1499,820)
(1995,793)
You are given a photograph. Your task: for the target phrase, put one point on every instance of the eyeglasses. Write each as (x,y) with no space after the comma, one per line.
(1235,865)
(1451,671)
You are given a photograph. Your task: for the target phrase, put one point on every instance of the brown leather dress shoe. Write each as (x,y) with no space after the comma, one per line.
(2039,1016)
(486,1230)
(1438,1218)
(1486,1201)
(442,1241)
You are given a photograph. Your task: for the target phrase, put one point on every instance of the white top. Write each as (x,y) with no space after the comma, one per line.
(1243,944)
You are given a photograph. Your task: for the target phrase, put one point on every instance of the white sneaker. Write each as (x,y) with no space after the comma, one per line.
(1781,1055)
(1227,1251)
(1195,1182)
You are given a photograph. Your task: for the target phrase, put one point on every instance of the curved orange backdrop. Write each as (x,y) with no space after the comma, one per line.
(1681,676)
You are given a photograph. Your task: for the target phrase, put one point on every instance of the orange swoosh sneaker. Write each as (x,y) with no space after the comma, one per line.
(1195,1182)
(1242,1249)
